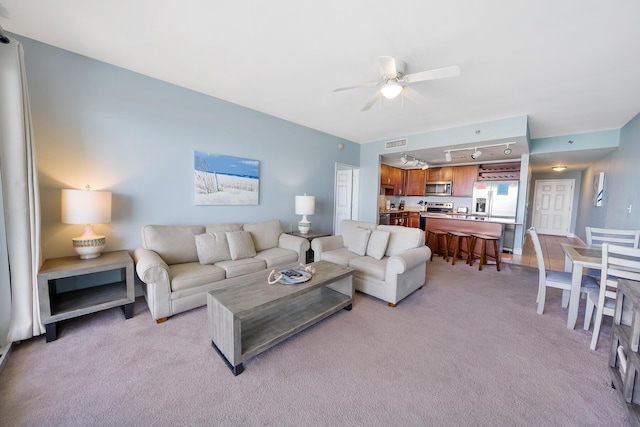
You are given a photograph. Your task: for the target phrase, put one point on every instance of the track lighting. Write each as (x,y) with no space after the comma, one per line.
(476,150)
(403,159)
(415,162)
(425,166)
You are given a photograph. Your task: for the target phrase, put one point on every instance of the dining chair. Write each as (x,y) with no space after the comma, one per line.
(598,236)
(618,262)
(555,279)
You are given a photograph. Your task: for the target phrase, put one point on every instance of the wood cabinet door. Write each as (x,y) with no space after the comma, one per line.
(433,174)
(385,174)
(414,185)
(414,219)
(398,181)
(463,179)
(446,173)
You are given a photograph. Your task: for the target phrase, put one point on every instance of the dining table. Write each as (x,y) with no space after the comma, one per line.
(577,258)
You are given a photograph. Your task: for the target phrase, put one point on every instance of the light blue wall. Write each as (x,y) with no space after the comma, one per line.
(133,135)
(621,185)
(583,141)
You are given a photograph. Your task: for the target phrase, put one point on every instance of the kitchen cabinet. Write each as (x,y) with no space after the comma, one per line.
(463,179)
(399,218)
(414,220)
(440,174)
(392,180)
(414,184)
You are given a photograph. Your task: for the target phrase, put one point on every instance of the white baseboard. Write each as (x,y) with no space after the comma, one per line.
(4,355)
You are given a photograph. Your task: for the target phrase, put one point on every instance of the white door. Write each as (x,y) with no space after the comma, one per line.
(553,203)
(345,196)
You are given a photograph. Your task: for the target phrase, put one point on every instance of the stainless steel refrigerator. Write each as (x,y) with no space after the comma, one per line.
(495,199)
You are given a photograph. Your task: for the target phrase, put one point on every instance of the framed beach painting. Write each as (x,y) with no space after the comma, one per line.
(225,180)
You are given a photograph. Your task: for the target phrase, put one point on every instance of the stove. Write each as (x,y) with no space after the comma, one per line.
(443,208)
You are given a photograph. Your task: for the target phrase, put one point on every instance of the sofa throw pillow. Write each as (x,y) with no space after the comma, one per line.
(240,244)
(377,245)
(359,242)
(212,247)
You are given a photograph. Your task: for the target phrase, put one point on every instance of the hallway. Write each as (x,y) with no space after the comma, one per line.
(551,250)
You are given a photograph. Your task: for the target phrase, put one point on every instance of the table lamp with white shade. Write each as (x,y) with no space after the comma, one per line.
(87,207)
(305,205)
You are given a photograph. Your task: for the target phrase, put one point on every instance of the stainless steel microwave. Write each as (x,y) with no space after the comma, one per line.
(441,188)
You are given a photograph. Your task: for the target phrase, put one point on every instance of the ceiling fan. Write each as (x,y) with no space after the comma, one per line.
(393,79)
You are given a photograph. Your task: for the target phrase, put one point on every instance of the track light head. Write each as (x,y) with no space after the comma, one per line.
(447,156)
(507,150)
(425,166)
(476,154)
(403,159)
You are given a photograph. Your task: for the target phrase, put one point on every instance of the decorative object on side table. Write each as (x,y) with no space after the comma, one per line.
(87,207)
(305,205)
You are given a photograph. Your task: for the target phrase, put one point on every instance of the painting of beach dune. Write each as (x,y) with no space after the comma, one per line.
(225,180)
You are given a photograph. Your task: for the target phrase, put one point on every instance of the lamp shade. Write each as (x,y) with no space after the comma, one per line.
(86,207)
(391,90)
(305,205)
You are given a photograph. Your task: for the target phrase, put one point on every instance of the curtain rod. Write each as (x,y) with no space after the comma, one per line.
(3,37)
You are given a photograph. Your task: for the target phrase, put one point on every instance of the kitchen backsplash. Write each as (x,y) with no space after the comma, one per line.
(411,202)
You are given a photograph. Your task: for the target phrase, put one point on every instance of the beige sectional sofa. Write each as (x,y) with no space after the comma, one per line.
(178,265)
(390,260)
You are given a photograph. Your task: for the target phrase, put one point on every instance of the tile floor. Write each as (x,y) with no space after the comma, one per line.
(551,250)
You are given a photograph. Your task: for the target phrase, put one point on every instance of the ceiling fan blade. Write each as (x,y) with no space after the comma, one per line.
(388,65)
(356,86)
(438,73)
(371,101)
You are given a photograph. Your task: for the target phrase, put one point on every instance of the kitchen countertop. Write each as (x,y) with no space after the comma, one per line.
(463,217)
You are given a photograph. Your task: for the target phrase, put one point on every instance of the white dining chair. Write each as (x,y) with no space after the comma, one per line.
(555,279)
(618,262)
(598,236)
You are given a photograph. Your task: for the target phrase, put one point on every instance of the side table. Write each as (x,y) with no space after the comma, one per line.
(56,306)
(310,236)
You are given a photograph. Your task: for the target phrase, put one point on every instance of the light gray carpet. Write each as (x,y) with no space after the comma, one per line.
(467,349)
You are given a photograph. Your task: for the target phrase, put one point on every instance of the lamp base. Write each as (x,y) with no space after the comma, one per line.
(304,227)
(89,245)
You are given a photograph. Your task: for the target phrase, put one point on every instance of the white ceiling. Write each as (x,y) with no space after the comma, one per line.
(571,66)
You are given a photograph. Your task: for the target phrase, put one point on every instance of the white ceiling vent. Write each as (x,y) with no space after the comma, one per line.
(395,143)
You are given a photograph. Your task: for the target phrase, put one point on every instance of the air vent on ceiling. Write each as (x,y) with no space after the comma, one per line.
(395,143)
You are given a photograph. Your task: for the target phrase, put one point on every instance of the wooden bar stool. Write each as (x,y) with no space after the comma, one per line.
(458,239)
(441,243)
(483,249)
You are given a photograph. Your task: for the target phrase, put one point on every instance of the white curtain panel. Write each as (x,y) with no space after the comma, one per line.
(20,194)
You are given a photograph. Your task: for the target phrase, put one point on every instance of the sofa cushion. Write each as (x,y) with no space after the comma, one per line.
(223,227)
(359,240)
(192,274)
(240,245)
(402,239)
(277,256)
(212,247)
(242,266)
(377,245)
(368,266)
(350,230)
(265,234)
(340,256)
(174,243)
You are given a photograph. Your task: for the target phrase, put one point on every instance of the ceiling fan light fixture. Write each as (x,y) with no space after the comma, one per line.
(447,156)
(390,90)
(559,168)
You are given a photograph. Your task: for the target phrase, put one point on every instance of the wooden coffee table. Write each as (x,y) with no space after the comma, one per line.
(251,316)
